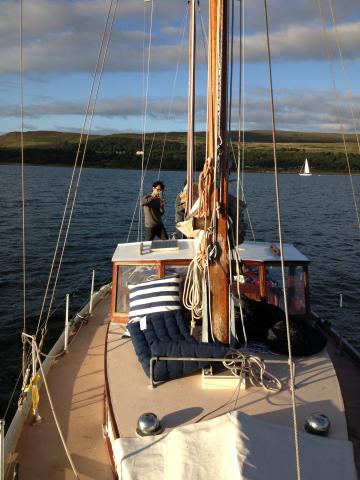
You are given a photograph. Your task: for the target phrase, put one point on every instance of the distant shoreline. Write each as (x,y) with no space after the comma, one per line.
(324,151)
(270,172)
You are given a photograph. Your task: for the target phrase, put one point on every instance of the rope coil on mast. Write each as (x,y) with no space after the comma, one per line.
(193,293)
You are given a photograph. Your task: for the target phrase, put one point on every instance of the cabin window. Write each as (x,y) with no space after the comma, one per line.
(250,282)
(295,288)
(131,274)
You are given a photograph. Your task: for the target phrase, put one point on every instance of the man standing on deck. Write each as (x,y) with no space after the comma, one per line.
(153,205)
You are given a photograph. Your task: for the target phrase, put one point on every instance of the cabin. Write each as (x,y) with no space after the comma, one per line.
(260,279)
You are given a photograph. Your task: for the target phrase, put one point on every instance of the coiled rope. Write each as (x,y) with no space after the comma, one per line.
(193,287)
(206,179)
(243,365)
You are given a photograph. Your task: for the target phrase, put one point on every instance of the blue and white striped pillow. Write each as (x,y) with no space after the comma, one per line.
(156,296)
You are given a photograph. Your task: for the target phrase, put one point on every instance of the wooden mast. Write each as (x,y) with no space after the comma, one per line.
(217,138)
(191,106)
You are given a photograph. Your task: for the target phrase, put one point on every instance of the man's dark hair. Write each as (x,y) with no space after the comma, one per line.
(158,183)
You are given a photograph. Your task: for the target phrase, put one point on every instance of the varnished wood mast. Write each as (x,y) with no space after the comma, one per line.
(217,137)
(191,106)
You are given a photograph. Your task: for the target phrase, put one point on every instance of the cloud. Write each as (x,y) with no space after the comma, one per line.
(64,36)
(77,51)
(62,39)
(294,110)
(122,107)
(299,110)
(303,43)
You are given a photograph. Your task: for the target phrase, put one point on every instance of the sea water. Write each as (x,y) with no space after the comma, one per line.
(317,215)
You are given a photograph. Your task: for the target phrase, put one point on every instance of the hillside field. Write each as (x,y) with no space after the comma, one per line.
(324,151)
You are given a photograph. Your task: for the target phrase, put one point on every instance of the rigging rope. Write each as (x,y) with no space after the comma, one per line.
(203,31)
(12,395)
(348,95)
(97,76)
(277,191)
(231,55)
(244,365)
(22,183)
(235,254)
(54,414)
(146,92)
(91,100)
(252,366)
(240,161)
(144,169)
(174,85)
(141,192)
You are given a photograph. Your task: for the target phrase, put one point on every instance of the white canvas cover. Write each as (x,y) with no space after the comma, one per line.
(229,447)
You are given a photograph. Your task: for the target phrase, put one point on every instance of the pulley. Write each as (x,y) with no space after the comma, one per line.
(212,252)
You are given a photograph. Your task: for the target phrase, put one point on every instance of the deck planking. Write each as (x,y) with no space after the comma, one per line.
(76,383)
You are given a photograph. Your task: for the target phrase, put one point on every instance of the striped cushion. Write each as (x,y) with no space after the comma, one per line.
(156,296)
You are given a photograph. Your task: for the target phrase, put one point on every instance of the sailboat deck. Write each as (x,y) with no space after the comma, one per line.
(76,384)
(184,401)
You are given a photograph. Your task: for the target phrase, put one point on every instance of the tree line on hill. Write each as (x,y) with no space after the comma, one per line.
(324,151)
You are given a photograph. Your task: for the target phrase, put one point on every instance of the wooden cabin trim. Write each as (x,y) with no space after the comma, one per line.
(108,445)
(307,291)
(110,451)
(114,290)
(262,281)
(123,317)
(120,317)
(108,405)
(137,262)
(273,263)
(108,411)
(178,261)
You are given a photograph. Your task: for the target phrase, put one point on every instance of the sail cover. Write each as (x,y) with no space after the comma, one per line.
(232,447)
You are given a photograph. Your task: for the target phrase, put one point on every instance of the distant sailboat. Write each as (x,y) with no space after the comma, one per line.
(305,169)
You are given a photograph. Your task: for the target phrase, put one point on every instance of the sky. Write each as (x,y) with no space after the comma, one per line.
(146,67)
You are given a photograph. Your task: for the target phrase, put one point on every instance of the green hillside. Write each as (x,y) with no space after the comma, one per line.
(324,151)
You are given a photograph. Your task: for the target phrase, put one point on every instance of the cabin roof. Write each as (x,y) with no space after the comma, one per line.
(141,252)
(263,252)
(186,250)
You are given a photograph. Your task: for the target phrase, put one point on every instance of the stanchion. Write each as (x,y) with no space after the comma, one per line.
(92,292)
(66,324)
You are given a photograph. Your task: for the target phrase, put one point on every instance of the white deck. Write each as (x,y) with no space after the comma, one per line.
(183,401)
(251,251)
